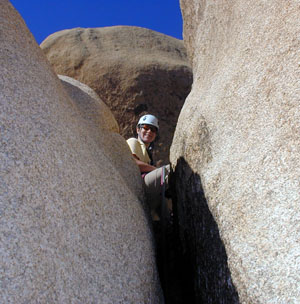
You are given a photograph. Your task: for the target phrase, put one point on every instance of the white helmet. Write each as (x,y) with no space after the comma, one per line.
(149,119)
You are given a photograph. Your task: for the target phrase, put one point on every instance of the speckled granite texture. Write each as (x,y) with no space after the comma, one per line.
(239,131)
(72,229)
(91,107)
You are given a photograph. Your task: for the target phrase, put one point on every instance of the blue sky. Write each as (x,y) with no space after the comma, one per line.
(44,17)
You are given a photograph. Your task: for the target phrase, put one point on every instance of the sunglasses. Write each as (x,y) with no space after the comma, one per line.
(147,127)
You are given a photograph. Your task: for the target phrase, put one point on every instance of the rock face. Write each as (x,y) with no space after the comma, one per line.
(72,230)
(92,108)
(134,71)
(238,138)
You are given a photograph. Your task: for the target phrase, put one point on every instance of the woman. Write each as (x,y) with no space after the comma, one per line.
(141,149)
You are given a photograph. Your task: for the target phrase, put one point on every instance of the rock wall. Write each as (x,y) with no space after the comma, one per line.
(238,132)
(91,107)
(134,70)
(71,229)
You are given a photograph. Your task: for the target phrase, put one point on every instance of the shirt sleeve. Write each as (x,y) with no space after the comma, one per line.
(135,147)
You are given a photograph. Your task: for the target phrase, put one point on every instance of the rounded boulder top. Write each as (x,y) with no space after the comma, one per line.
(134,71)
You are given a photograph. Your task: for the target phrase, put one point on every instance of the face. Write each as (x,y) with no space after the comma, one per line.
(146,133)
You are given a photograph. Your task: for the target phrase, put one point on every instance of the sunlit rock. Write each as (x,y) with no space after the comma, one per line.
(134,70)
(238,136)
(72,230)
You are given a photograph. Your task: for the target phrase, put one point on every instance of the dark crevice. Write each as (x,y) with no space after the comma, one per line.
(140,108)
(192,260)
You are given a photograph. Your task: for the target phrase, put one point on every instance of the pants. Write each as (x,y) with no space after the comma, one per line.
(153,187)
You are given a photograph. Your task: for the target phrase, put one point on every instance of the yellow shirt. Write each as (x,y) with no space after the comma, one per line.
(138,148)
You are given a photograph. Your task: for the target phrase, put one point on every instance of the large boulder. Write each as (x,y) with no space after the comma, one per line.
(238,138)
(72,230)
(133,70)
(91,107)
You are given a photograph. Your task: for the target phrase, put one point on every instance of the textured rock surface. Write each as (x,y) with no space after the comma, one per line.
(71,229)
(89,104)
(133,70)
(239,132)
(202,261)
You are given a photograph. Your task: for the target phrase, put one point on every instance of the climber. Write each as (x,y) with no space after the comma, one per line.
(155,179)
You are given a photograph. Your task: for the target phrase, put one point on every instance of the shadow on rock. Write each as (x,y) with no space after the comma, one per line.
(192,260)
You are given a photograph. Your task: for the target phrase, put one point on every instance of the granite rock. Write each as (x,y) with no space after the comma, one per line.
(134,71)
(72,230)
(239,133)
(92,108)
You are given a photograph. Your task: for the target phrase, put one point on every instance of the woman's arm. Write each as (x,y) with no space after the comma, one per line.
(144,167)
